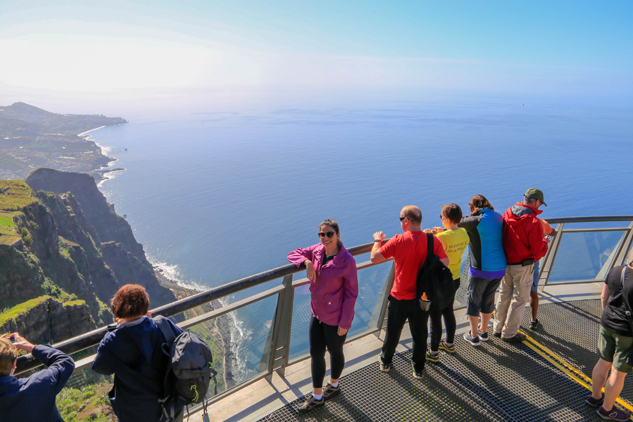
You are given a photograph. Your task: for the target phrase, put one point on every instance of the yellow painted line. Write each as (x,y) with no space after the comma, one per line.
(561,360)
(572,372)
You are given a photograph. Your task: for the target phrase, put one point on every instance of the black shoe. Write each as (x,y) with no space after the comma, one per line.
(498,335)
(310,404)
(330,391)
(518,337)
(613,414)
(483,335)
(534,325)
(595,402)
(472,340)
(417,374)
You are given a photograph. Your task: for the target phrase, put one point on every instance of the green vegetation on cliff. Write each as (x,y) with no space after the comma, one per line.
(88,403)
(21,308)
(14,195)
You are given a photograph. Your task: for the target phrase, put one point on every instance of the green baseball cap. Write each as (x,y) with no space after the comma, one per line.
(534,193)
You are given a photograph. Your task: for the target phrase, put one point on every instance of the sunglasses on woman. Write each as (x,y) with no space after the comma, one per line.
(328,234)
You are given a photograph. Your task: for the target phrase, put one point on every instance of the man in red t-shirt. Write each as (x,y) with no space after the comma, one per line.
(409,252)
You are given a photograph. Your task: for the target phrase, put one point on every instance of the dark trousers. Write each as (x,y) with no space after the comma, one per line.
(449,320)
(398,313)
(322,337)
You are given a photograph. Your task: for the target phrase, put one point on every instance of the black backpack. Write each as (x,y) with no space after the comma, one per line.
(189,371)
(434,279)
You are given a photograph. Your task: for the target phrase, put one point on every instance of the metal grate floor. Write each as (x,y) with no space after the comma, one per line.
(570,329)
(497,381)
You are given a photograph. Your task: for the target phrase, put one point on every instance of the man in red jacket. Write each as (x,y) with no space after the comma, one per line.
(524,243)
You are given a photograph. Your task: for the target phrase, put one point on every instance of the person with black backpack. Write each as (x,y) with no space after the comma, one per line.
(132,350)
(409,251)
(454,240)
(615,343)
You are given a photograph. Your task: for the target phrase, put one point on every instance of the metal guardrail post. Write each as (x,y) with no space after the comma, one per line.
(626,246)
(280,343)
(550,256)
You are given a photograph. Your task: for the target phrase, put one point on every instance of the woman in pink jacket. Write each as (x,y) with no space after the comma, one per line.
(334,288)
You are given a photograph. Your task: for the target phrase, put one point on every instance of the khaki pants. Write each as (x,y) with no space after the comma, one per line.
(515,288)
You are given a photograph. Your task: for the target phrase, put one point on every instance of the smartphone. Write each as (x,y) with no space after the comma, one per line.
(12,339)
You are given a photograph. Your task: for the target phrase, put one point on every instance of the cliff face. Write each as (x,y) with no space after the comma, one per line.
(74,247)
(110,233)
(97,212)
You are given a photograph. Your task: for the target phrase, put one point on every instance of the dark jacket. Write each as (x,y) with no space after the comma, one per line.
(485,229)
(523,236)
(133,353)
(32,399)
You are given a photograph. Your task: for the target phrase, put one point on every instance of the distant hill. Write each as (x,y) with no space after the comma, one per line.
(31,138)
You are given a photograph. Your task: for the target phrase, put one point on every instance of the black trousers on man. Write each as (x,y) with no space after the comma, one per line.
(398,313)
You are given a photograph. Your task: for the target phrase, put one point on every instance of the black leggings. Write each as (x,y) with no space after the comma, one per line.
(322,337)
(449,320)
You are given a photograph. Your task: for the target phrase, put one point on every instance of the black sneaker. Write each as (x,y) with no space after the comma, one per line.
(613,414)
(595,402)
(472,340)
(534,325)
(483,335)
(330,391)
(418,374)
(496,334)
(310,404)
(384,367)
(518,337)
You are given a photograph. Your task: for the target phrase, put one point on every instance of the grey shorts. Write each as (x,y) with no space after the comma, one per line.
(481,295)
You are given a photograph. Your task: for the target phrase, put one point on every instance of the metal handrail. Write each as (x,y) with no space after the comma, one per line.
(93,338)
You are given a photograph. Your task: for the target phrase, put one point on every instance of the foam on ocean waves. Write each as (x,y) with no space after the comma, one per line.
(237,340)
(172,273)
(104,150)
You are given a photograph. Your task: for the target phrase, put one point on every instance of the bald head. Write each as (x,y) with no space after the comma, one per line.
(413,215)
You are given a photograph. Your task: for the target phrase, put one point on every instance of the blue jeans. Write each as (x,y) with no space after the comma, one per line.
(536,276)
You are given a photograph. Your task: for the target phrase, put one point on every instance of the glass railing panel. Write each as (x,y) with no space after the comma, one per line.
(301,313)
(237,340)
(585,255)
(371,281)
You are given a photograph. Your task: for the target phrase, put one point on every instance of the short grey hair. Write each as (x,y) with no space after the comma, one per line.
(529,201)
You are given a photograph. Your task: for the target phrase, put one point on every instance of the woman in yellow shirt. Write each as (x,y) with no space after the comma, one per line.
(454,240)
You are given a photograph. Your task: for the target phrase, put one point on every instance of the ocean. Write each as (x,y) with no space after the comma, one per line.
(214,197)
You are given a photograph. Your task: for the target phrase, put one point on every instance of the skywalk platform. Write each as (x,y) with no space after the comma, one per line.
(542,379)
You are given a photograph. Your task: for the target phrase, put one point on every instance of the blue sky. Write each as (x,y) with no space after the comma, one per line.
(128,49)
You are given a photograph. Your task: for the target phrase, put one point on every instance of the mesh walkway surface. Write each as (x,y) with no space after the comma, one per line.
(497,381)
